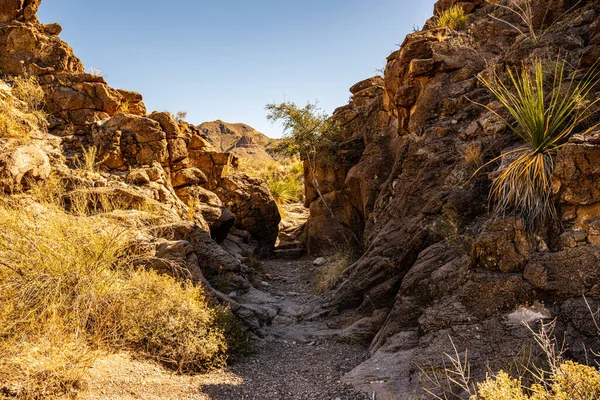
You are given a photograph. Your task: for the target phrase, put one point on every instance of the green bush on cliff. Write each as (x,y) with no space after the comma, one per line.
(453,18)
(545,116)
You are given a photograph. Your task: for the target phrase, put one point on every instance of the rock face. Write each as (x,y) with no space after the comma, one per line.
(149,171)
(435,263)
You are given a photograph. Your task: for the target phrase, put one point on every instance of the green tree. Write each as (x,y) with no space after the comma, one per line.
(310,134)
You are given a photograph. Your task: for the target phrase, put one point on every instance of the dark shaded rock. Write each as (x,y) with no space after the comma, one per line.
(503,245)
(569,273)
(254,208)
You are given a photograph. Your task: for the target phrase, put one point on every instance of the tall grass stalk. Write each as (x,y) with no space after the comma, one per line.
(544,118)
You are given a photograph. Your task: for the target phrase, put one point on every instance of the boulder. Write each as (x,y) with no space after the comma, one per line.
(127,140)
(206,203)
(254,208)
(19,10)
(22,166)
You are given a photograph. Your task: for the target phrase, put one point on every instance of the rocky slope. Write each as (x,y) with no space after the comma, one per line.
(100,144)
(239,139)
(436,265)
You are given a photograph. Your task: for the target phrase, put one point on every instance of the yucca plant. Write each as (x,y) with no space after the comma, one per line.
(544,118)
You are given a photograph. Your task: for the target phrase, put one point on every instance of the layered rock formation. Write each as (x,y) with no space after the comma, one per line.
(149,170)
(239,139)
(436,264)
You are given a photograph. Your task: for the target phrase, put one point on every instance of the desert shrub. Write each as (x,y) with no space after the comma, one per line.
(570,381)
(29,91)
(71,286)
(453,18)
(545,117)
(169,321)
(558,379)
(502,387)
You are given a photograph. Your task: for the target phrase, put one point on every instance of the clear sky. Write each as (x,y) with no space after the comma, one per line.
(226,59)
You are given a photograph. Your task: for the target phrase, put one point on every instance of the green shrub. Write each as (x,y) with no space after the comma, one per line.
(544,119)
(453,18)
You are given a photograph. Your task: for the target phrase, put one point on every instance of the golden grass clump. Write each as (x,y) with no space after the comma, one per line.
(333,268)
(453,18)
(285,179)
(21,108)
(545,116)
(71,286)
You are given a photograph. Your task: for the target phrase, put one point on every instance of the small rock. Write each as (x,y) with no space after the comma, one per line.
(318,262)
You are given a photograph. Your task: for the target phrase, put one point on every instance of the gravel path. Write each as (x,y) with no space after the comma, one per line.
(298,360)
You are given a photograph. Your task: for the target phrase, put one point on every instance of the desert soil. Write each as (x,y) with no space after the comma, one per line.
(296,359)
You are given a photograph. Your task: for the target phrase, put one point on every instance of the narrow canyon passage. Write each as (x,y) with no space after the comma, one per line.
(298,360)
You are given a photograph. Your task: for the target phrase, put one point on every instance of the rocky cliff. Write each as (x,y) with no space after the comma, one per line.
(437,266)
(152,172)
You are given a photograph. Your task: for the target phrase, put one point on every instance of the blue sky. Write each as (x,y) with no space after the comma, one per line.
(226,59)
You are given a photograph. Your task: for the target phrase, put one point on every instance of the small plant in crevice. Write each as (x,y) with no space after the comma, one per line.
(336,264)
(545,116)
(86,161)
(453,18)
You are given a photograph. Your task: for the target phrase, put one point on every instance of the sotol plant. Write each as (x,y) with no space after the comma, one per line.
(545,116)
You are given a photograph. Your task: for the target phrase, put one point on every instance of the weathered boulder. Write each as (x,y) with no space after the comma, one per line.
(206,203)
(22,166)
(127,140)
(28,49)
(19,10)
(132,102)
(254,208)
(503,245)
(569,273)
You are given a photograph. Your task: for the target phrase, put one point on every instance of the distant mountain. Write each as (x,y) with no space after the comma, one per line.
(239,139)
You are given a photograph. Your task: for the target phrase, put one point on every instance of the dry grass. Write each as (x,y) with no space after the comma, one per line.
(71,286)
(331,271)
(474,155)
(284,178)
(21,109)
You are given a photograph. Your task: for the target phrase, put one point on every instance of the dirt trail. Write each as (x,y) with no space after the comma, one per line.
(296,360)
